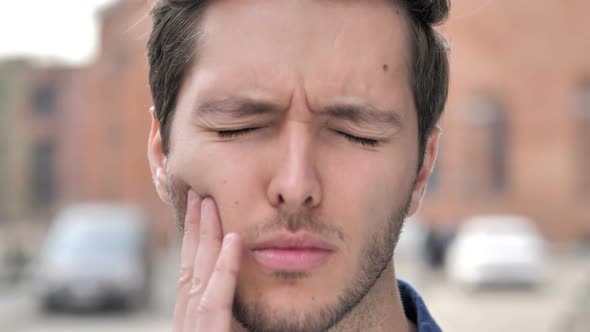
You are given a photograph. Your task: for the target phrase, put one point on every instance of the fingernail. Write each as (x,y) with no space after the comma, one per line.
(228,239)
(190,198)
(205,208)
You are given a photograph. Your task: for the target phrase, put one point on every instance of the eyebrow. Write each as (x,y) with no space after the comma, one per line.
(236,107)
(359,113)
(364,114)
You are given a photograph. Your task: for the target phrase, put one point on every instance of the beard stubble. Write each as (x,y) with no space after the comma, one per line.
(377,254)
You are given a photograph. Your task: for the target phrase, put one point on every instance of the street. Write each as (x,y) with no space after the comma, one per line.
(562,305)
(135,322)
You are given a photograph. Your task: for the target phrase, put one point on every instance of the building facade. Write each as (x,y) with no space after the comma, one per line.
(516,133)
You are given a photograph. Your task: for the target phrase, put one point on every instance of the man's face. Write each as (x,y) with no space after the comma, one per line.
(297,118)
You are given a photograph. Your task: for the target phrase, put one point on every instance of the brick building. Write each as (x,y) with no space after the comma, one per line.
(118,117)
(13,81)
(36,147)
(517,125)
(516,130)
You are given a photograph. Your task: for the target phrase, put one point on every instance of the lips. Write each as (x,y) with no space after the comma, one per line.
(292,252)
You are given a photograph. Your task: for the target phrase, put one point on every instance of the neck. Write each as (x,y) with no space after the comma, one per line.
(380,310)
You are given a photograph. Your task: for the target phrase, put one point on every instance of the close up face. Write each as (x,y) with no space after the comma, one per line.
(297,117)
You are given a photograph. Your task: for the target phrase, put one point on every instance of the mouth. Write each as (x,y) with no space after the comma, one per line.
(292,252)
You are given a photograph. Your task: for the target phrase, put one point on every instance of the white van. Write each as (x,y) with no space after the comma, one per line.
(95,255)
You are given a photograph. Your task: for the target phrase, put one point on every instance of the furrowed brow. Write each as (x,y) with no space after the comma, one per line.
(367,115)
(235,107)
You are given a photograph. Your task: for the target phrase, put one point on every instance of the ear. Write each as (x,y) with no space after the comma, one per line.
(157,159)
(423,176)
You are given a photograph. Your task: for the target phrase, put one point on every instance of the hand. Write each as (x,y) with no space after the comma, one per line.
(208,270)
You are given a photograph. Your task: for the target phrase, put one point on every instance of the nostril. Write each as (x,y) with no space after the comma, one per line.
(308,200)
(281,199)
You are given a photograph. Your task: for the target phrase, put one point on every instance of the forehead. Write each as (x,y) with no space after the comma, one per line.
(348,48)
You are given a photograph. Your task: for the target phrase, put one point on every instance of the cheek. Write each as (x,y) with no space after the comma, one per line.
(226,174)
(362,193)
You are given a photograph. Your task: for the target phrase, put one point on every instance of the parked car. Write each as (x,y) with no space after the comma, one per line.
(95,255)
(424,243)
(497,250)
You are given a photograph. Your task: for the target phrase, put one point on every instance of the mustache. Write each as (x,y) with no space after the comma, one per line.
(293,221)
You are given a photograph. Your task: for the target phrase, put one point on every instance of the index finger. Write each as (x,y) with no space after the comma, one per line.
(190,238)
(215,309)
(190,242)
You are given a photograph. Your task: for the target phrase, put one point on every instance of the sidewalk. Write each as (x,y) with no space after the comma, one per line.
(578,319)
(16,301)
(560,305)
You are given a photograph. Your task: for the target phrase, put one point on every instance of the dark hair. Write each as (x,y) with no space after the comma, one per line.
(174,39)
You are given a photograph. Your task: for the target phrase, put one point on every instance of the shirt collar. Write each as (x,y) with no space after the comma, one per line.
(415,308)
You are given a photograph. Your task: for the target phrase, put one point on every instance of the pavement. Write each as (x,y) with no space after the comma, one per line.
(561,304)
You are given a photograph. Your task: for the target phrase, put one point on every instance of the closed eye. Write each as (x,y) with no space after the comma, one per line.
(368,142)
(234,133)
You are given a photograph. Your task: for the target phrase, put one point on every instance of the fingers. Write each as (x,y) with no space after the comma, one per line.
(190,238)
(215,308)
(207,254)
(209,272)
(190,242)
(209,246)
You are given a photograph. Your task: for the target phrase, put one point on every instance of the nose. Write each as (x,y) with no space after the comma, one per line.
(295,183)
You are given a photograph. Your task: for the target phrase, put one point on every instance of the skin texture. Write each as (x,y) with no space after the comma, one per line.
(289,72)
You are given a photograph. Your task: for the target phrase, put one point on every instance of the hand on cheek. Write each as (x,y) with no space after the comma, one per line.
(209,267)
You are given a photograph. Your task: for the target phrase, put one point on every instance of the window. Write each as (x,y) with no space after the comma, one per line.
(582,118)
(498,151)
(486,143)
(44,99)
(43,181)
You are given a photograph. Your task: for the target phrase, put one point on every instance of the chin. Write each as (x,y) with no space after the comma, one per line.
(291,301)
(287,290)
(284,309)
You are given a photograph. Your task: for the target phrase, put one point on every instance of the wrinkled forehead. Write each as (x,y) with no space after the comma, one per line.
(349,46)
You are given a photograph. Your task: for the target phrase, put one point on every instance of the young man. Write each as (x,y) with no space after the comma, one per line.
(292,138)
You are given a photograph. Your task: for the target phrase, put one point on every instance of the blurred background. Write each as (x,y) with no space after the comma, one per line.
(502,242)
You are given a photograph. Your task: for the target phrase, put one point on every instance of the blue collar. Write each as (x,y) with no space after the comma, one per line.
(415,308)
